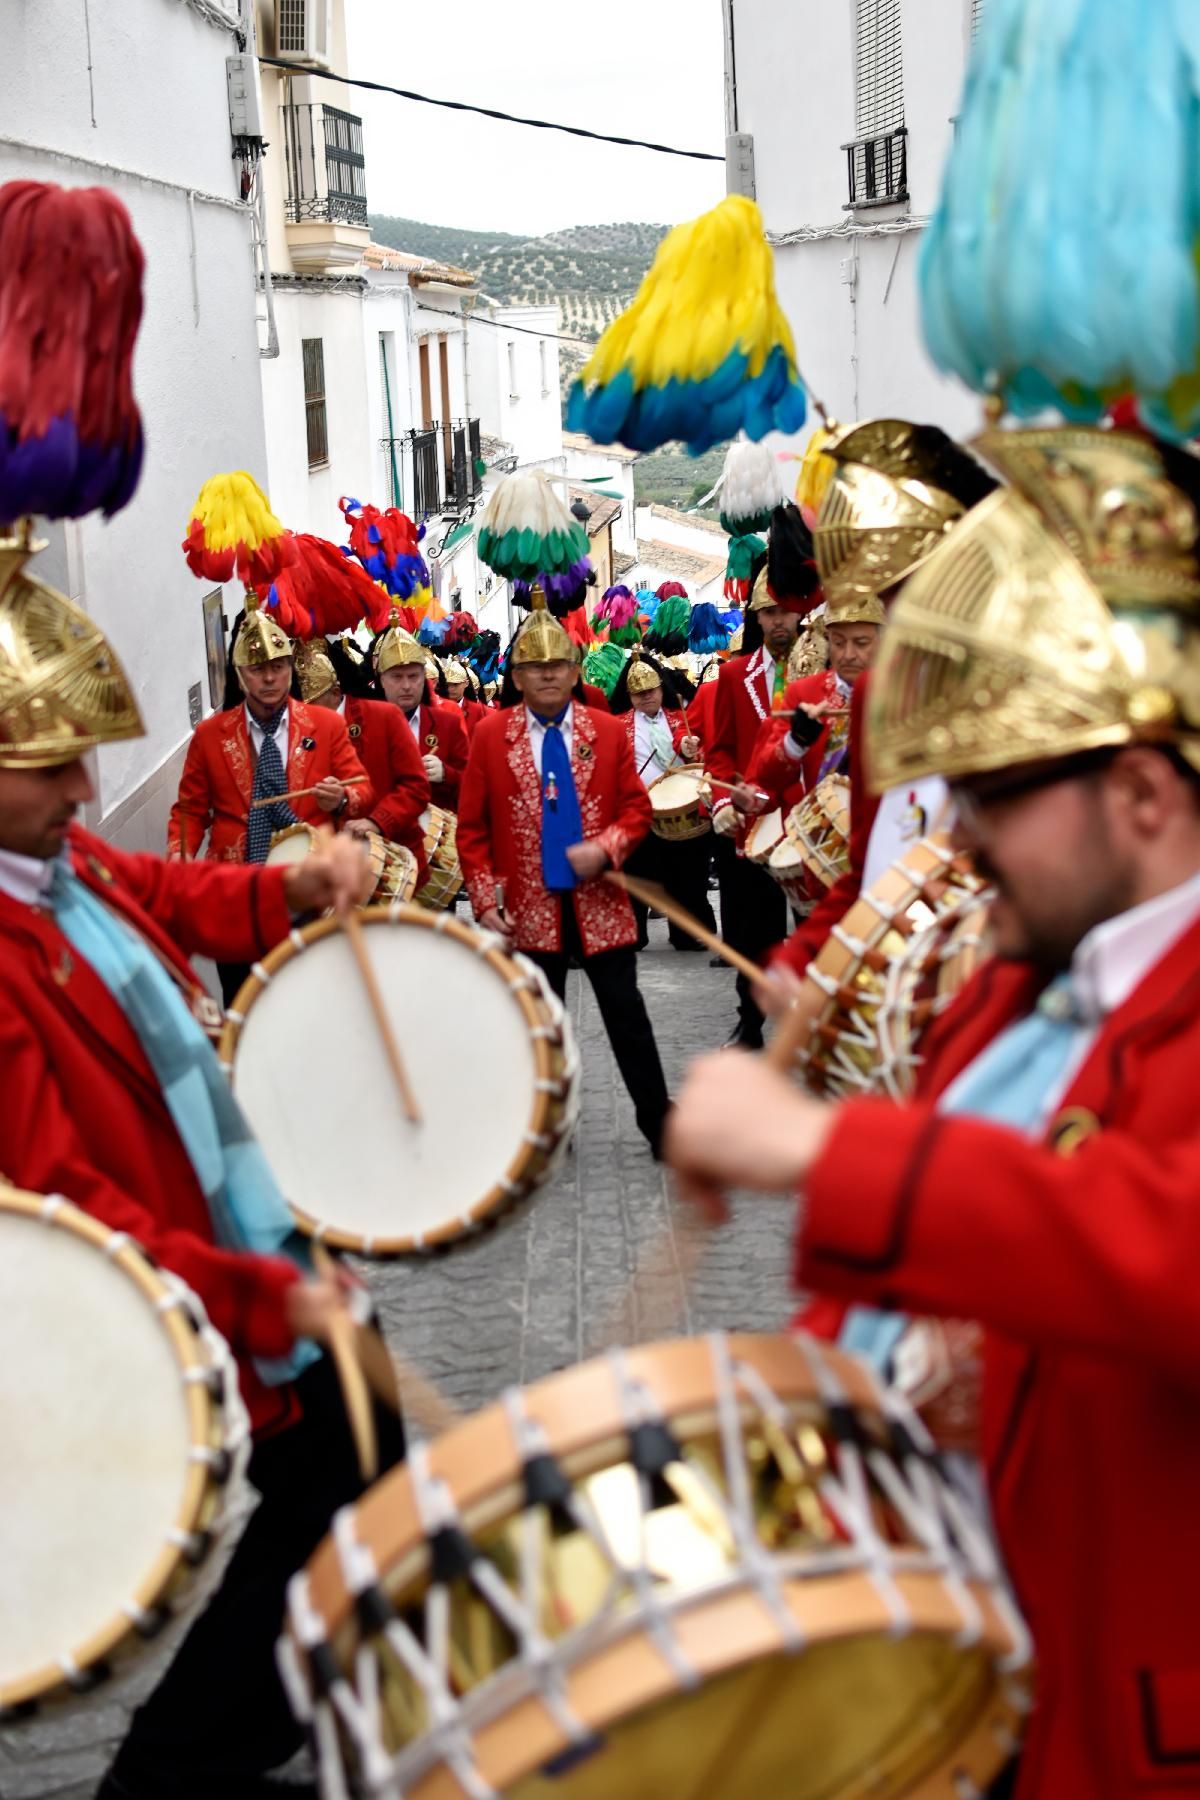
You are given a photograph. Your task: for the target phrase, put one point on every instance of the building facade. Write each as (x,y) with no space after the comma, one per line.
(846,168)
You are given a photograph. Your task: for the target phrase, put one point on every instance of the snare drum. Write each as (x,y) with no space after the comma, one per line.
(731,1567)
(897,959)
(395,870)
(763,838)
(679,809)
(820,829)
(469,1020)
(125,1442)
(445,877)
(788,868)
(292,844)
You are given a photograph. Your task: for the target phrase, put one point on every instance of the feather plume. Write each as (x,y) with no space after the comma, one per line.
(707,631)
(322,592)
(703,351)
(526,531)
(233,530)
(816,473)
(602,667)
(70,306)
(671,590)
(740,557)
(610,597)
(669,634)
(750,488)
(432,632)
(791,567)
(461,631)
(387,544)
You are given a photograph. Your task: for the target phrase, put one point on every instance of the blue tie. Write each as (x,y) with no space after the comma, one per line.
(268,779)
(562,822)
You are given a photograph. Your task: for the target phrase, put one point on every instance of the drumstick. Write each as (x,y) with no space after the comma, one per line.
(729,786)
(401,1386)
(342,1347)
(650,894)
(352,926)
(299,793)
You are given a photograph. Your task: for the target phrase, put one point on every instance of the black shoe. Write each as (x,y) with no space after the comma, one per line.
(716,962)
(688,945)
(745,1037)
(643,943)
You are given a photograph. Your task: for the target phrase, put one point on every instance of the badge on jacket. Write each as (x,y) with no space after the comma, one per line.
(99,870)
(1072,1128)
(355,731)
(431,740)
(585,752)
(308,743)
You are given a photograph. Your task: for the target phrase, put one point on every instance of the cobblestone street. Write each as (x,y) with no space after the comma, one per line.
(545,1288)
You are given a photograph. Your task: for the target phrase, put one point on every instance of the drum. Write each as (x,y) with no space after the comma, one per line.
(897,959)
(488,1050)
(445,877)
(730,1567)
(820,829)
(788,867)
(125,1441)
(679,810)
(395,869)
(292,844)
(763,838)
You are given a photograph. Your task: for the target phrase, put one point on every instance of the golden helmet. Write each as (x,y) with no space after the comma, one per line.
(456,675)
(260,639)
(1061,615)
(896,489)
(62,691)
(541,639)
(396,649)
(316,672)
(642,675)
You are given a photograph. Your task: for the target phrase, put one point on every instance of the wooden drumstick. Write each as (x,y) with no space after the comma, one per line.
(650,894)
(299,793)
(352,926)
(343,1349)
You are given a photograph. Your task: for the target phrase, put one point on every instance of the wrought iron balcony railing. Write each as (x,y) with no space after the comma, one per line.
(326,168)
(877,168)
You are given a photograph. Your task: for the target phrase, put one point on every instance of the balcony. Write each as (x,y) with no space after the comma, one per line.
(437,467)
(878,170)
(326,207)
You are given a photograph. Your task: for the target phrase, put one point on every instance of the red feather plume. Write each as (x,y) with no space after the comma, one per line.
(324,592)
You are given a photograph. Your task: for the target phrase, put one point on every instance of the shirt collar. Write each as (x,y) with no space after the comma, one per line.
(253,725)
(24,878)
(532,719)
(1117,955)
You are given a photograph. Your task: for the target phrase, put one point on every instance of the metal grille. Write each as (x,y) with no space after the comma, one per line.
(326,168)
(291,35)
(473,444)
(460,467)
(423,446)
(976,15)
(878,68)
(345,164)
(313,351)
(877,169)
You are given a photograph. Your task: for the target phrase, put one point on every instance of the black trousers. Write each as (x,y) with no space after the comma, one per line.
(232,976)
(754,916)
(682,868)
(219,1716)
(613,976)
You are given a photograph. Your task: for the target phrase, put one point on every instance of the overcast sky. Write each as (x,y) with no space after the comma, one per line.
(642,68)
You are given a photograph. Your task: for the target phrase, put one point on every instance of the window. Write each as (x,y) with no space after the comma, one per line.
(878,68)
(313,350)
(512,370)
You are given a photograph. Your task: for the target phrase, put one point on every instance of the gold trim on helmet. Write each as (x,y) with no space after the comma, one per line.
(397,649)
(541,639)
(260,639)
(62,691)
(316,674)
(642,675)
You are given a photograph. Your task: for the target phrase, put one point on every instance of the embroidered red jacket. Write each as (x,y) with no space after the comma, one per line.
(678,732)
(217,783)
(771,768)
(441,733)
(84,1115)
(387,750)
(1085,1270)
(500,827)
(594,697)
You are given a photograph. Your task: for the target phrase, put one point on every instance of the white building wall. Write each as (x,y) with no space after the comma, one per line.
(617,471)
(517,352)
(156,105)
(307,499)
(850,289)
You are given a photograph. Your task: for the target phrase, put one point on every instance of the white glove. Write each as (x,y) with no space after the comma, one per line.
(725,820)
(434,768)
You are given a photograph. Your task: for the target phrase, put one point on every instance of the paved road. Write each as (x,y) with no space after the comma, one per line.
(548,1286)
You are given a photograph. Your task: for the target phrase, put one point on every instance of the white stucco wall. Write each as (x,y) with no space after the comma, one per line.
(158,75)
(516,354)
(307,499)
(850,294)
(617,470)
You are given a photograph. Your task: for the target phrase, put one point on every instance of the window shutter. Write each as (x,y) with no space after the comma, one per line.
(878,67)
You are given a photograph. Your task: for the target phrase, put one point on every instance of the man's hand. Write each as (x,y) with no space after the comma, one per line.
(494,920)
(780,1135)
(779,989)
(689,749)
(588,860)
(434,768)
(362,828)
(313,1306)
(335,874)
(725,820)
(749,800)
(330,794)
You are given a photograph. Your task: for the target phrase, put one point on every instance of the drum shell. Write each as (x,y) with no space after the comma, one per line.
(763,836)
(678,824)
(444,877)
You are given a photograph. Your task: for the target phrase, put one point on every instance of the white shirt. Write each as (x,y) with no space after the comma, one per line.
(1108,965)
(906,814)
(649,766)
(24,878)
(257,734)
(537,733)
(413,721)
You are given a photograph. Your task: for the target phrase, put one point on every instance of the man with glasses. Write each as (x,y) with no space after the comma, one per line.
(1046,1180)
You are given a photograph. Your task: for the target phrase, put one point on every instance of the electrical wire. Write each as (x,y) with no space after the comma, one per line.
(491,112)
(554,337)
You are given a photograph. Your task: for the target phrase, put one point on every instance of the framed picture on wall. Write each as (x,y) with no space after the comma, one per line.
(214,645)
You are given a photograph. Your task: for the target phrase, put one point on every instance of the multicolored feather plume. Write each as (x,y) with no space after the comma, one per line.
(669,633)
(750,488)
(707,631)
(70,306)
(671,590)
(526,531)
(233,531)
(704,350)
(387,546)
(322,592)
(602,667)
(816,472)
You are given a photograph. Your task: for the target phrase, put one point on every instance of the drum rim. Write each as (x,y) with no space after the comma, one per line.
(170,1570)
(516,1182)
(480,1462)
(763,857)
(291,831)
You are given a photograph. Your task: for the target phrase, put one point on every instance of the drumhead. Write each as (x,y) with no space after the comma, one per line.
(678,789)
(478,1034)
(291,845)
(765,832)
(786,859)
(99,1469)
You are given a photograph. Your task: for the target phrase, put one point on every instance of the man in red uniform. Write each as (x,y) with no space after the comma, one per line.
(551,799)
(387,752)
(100,1014)
(811,739)
(1046,1179)
(456,680)
(436,728)
(750,687)
(270,746)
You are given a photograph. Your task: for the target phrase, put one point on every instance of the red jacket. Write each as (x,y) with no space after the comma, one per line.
(804,943)
(594,697)
(387,750)
(84,1115)
(701,712)
(771,768)
(441,733)
(1085,1270)
(472,712)
(500,827)
(217,783)
(678,732)
(742,705)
